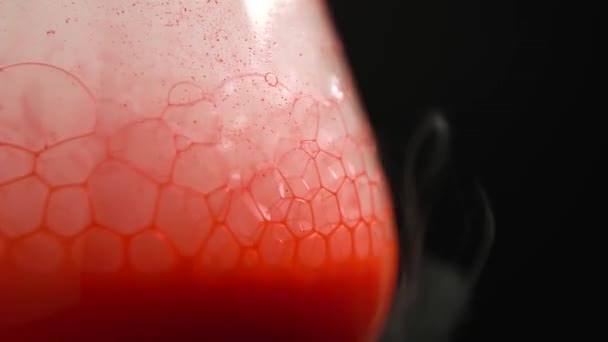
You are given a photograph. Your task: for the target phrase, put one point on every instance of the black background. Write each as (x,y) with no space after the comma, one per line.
(521,90)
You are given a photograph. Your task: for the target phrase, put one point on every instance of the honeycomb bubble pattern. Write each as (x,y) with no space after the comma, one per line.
(231,206)
(246,174)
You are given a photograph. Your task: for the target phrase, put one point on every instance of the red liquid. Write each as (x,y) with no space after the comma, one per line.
(190,222)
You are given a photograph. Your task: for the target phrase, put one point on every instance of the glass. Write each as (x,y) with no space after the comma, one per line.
(187,168)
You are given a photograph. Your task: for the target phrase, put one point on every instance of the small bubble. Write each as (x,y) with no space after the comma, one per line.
(310,147)
(271,79)
(182,143)
(184,93)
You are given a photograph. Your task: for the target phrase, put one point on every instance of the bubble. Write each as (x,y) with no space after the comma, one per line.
(184,93)
(182,143)
(271,79)
(310,147)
